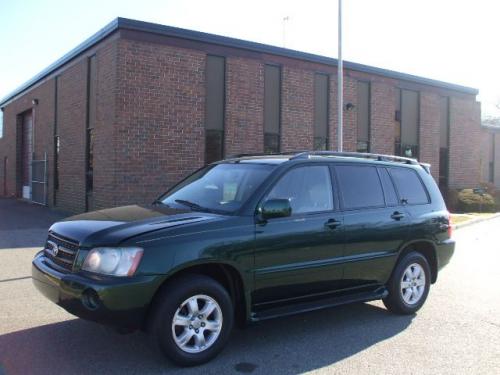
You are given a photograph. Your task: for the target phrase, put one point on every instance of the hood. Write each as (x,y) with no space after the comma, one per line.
(111,226)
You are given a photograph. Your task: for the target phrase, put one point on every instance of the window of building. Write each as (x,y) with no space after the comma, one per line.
(91,118)
(309,189)
(409,186)
(491,165)
(272,109)
(321,86)
(215,107)
(360,187)
(363,141)
(444,140)
(1,123)
(407,124)
(391,198)
(397,124)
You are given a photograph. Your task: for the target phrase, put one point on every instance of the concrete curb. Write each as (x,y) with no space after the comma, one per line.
(475,221)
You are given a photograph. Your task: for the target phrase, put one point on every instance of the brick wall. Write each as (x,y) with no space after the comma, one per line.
(349,129)
(464,143)
(297,109)
(159,137)
(71,125)
(383,107)
(105,127)
(244,125)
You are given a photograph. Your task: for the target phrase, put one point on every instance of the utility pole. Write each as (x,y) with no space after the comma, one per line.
(340,81)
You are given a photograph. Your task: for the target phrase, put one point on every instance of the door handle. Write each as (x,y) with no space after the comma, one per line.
(333,223)
(396,215)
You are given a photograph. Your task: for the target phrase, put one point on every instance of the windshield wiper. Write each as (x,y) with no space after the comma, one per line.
(191,205)
(159,202)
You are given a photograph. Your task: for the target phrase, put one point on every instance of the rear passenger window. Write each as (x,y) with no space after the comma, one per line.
(409,186)
(360,186)
(391,199)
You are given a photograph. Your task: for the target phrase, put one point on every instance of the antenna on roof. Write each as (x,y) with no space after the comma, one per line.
(285,19)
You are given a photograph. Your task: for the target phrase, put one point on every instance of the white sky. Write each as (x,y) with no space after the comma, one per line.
(453,41)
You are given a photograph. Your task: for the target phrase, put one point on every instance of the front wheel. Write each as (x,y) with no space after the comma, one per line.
(409,284)
(193,320)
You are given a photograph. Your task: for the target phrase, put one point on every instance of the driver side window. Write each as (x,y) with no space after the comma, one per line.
(308,188)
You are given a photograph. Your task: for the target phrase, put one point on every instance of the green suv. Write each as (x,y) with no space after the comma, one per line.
(252,238)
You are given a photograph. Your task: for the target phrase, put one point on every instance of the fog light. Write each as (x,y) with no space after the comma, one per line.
(90,299)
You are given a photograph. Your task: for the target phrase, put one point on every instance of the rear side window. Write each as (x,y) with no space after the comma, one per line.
(391,199)
(360,186)
(409,186)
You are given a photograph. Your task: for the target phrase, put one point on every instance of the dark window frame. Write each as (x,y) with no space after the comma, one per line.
(267,134)
(491,164)
(368,142)
(444,173)
(221,132)
(326,139)
(398,146)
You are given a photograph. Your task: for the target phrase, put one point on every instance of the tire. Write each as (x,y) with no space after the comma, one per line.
(176,300)
(406,292)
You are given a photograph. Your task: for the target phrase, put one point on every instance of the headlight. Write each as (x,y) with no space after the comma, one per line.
(116,261)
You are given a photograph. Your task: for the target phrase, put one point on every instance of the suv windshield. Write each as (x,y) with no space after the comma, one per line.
(219,188)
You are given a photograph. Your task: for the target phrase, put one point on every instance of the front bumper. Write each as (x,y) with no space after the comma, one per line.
(116,301)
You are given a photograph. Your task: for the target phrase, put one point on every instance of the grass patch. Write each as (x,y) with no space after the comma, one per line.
(458,219)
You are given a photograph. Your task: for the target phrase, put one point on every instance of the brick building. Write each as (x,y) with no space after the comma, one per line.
(138,106)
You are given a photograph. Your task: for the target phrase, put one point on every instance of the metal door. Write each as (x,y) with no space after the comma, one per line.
(39,180)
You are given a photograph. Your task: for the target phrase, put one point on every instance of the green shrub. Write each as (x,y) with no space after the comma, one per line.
(470,202)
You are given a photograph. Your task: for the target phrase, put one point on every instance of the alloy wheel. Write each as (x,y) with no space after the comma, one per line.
(197,323)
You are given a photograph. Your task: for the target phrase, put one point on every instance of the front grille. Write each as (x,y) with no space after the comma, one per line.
(66,251)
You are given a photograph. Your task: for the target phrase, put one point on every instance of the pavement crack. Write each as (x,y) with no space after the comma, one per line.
(497,325)
(15,279)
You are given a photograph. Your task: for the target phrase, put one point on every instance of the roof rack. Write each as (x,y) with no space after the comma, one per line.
(379,157)
(235,156)
(364,155)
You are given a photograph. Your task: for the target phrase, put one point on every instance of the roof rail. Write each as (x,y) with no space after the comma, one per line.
(363,155)
(379,157)
(243,155)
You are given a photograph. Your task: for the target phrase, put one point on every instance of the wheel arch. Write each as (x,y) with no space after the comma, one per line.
(425,247)
(224,273)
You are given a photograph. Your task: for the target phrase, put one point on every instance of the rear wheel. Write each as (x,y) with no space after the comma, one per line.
(409,284)
(192,320)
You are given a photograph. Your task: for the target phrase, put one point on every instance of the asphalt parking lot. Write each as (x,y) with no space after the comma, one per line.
(456,332)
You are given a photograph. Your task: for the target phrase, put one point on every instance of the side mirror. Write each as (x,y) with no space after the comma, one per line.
(274,208)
